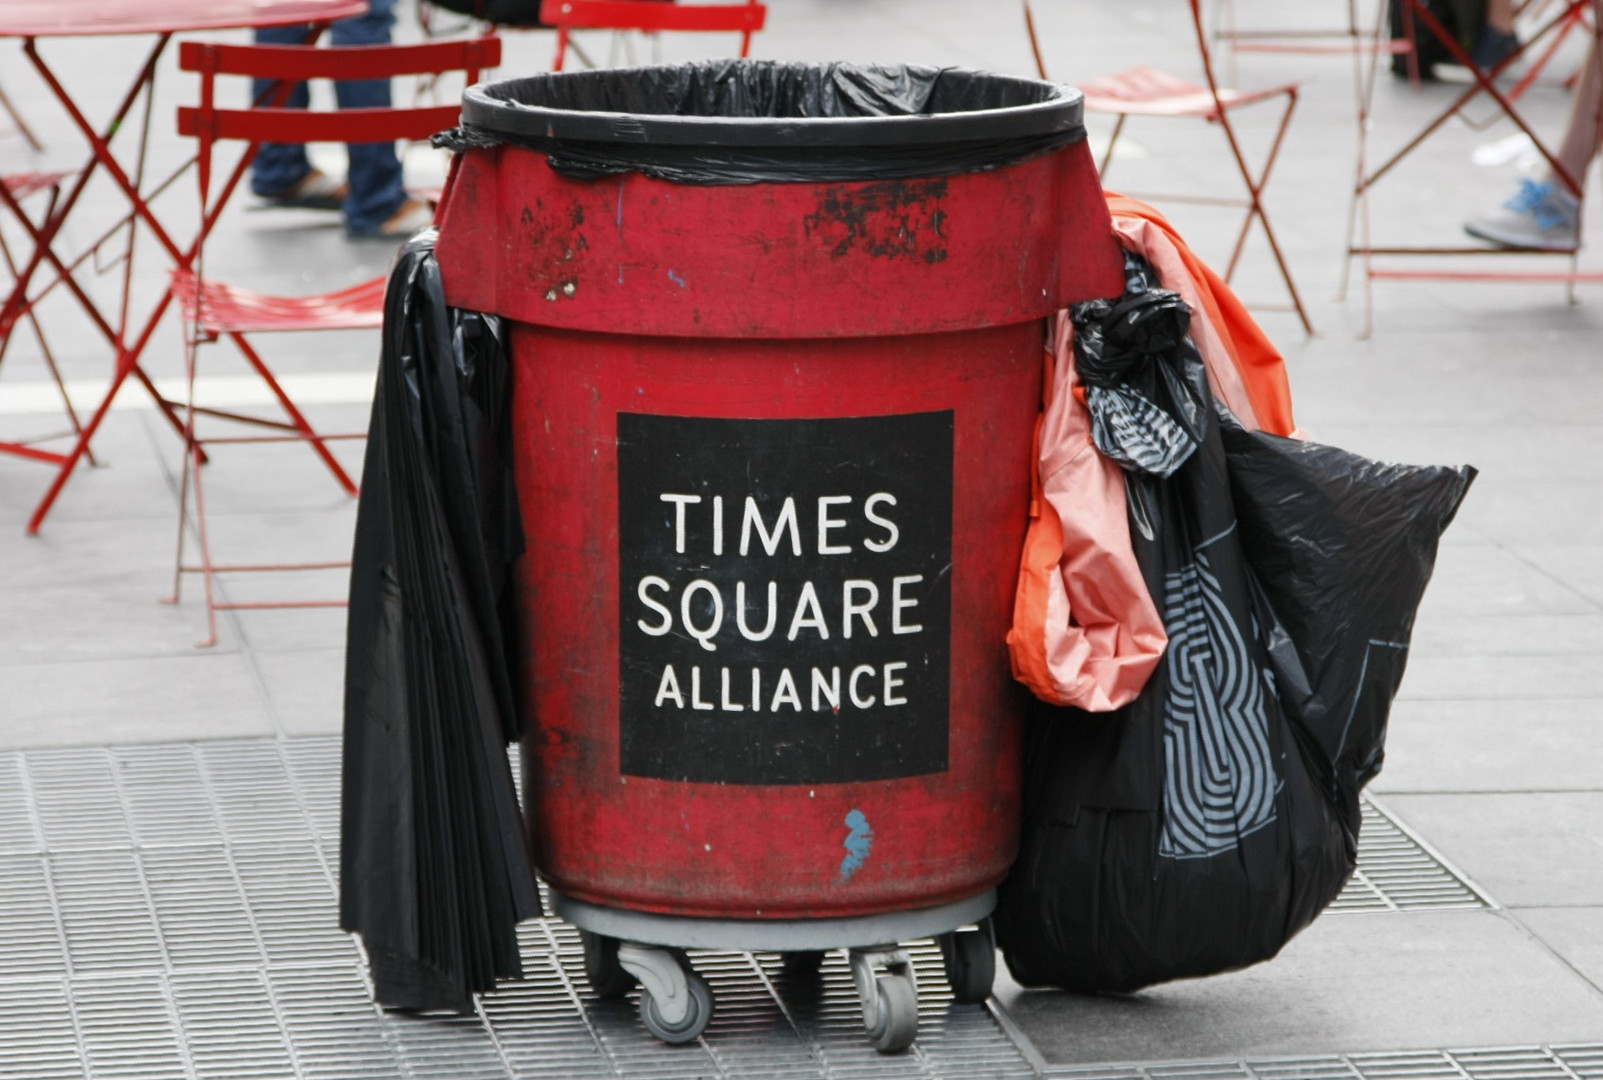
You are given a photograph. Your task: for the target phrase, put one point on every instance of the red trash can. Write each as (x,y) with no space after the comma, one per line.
(777,361)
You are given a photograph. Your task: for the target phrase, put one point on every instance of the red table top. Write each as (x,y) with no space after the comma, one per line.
(72,18)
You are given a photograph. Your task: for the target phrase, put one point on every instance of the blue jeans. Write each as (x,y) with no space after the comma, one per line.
(374,171)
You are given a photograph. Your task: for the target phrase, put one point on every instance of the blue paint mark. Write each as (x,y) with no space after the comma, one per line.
(620,204)
(859,843)
(677,280)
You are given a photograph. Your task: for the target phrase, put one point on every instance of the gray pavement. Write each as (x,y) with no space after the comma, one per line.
(1495,760)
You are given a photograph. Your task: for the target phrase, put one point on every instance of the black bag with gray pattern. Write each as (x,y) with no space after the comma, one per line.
(1200,828)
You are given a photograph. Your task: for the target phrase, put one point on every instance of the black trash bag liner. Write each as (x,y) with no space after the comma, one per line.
(1146,389)
(1200,828)
(761,121)
(499,12)
(434,872)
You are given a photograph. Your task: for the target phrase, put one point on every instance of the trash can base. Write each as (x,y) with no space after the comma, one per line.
(773,935)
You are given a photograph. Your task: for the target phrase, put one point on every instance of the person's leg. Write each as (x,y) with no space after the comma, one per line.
(280,167)
(1585,131)
(376,189)
(1497,39)
(1547,213)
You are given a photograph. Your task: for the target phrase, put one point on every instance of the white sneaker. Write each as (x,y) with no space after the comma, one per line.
(1538,216)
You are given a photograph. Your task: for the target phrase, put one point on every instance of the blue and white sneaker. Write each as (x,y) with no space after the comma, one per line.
(1538,216)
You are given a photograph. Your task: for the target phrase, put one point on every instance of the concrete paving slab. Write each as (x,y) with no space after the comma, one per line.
(1438,632)
(92,591)
(1471,677)
(1460,746)
(283,478)
(1457,380)
(306,689)
(99,554)
(1578,565)
(1509,457)
(151,699)
(131,480)
(123,620)
(1575,934)
(1487,582)
(1348,983)
(1526,849)
(321,534)
(1523,511)
(287,629)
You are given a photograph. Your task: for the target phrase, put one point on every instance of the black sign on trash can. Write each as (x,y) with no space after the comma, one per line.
(785,597)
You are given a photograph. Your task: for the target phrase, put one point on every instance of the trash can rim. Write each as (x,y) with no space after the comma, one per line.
(1061,112)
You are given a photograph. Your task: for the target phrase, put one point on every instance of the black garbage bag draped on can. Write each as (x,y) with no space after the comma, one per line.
(1200,828)
(434,873)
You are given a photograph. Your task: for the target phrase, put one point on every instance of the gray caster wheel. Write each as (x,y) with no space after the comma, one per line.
(888,993)
(607,978)
(969,957)
(691,1025)
(896,1026)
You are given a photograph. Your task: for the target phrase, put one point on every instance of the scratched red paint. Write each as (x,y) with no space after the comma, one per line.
(776,301)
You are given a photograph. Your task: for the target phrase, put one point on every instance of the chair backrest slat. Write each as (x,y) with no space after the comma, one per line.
(652,15)
(303,126)
(299,62)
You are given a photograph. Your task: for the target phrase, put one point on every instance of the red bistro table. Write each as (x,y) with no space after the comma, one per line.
(159,20)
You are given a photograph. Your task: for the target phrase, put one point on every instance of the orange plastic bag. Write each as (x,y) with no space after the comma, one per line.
(1085,630)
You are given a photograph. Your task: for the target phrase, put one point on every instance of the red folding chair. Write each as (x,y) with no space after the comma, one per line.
(213,309)
(1539,41)
(14,191)
(1147,92)
(650,17)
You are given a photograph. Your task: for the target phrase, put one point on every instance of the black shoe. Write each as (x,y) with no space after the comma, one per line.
(1494,47)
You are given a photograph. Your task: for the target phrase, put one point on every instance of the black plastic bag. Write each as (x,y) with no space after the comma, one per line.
(1148,401)
(1200,828)
(1342,547)
(434,871)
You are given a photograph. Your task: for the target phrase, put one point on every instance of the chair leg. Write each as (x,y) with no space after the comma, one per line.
(61,386)
(1256,185)
(562,48)
(296,418)
(191,489)
(1255,209)
(207,575)
(16,119)
(1107,154)
(189,466)
(44,348)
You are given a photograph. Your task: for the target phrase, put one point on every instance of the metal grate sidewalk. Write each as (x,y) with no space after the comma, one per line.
(1580,1062)
(1397,872)
(170,911)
